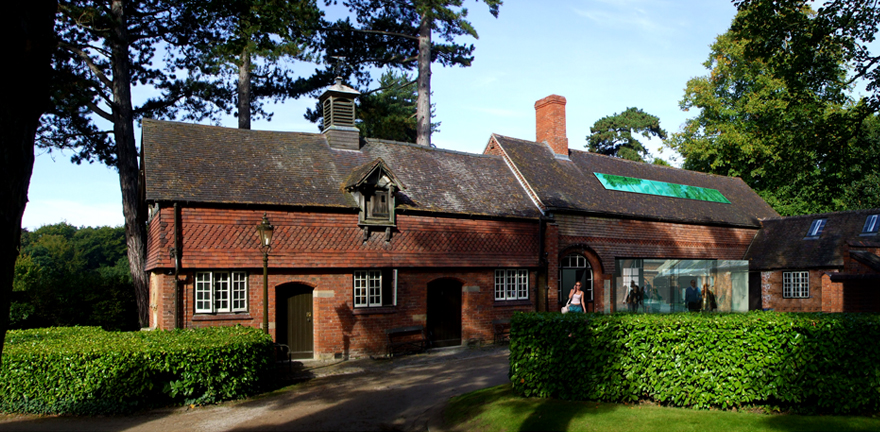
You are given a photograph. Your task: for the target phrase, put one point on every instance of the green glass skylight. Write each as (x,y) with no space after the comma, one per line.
(652,187)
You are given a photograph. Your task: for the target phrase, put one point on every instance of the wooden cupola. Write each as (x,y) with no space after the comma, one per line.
(339,115)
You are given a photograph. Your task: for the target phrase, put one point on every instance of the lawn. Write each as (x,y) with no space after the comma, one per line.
(498,409)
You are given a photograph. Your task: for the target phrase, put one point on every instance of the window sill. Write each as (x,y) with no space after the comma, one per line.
(374,310)
(502,303)
(242,316)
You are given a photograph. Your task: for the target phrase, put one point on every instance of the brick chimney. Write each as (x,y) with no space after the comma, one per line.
(550,123)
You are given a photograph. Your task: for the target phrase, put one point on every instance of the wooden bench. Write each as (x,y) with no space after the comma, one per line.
(502,330)
(406,340)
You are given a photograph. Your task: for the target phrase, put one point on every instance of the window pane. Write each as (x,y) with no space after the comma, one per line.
(203,293)
(871,224)
(221,291)
(360,288)
(522,286)
(499,284)
(375,286)
(239,292)
(511,284)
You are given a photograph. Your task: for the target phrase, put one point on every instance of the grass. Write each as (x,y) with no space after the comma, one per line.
(498,409)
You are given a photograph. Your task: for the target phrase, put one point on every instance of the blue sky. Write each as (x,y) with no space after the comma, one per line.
(603,56)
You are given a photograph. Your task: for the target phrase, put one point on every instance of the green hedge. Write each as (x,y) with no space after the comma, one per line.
(85,370)
(804,362)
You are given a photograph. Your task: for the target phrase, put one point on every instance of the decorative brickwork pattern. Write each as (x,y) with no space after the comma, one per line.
(228,239)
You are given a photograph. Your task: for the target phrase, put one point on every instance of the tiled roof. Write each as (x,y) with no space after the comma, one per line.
(210,164)
(570,185)
(782,244)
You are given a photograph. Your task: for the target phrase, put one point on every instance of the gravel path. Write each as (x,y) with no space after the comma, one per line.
(404,394)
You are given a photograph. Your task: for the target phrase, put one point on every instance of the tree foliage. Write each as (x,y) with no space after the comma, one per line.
(400,34)
(245,52)
(805,48)
(68,276)
(613,135)
(389,113)
(797,147)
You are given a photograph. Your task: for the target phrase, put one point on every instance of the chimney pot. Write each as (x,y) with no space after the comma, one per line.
(550,123)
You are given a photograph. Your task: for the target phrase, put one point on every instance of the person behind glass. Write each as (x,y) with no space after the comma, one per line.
(576,297)
(633,297)
(692,297)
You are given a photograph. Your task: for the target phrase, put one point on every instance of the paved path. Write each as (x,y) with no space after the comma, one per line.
(358,395)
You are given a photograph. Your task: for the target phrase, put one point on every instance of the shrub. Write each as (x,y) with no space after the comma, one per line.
(85,370)
(805,362)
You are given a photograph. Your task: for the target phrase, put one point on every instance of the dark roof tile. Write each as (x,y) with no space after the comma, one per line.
(782,243)
(570,185)
(209,164)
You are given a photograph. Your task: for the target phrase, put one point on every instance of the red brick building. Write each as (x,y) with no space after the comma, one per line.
(819,263)
(372,235)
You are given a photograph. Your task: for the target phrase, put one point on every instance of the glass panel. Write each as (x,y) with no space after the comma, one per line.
(360,288)
(871,224)
(665,286)
(239,292)
(511,284)
(522,286)
(653,187)
(203,293)
(499,284)
(221,291)
(375,284)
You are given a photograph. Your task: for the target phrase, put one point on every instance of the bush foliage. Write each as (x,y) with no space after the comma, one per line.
(803,362)
(86,370)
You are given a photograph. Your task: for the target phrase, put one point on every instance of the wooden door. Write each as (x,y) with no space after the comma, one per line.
(444,312)
(295,323)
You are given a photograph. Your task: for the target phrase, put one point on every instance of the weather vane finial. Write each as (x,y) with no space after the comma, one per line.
(340,61)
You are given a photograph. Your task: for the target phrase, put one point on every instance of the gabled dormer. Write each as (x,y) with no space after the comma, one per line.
(374,187)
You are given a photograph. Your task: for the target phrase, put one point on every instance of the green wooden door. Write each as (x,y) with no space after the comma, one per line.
(444,312)
(295,323)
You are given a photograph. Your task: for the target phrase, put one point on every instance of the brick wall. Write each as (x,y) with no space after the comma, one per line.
(321,251)
(602,240)
(819,300)
(341,329)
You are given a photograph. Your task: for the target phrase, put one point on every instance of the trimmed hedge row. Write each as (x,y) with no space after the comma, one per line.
(85,370)
(803,362)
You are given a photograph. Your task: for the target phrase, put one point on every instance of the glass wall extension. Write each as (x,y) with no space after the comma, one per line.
(672,285)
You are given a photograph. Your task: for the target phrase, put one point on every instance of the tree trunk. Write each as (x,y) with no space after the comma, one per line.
(423,106)
(244,90)
(28,35)
(127,160)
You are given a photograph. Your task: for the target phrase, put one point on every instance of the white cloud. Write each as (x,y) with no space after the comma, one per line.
(627,14)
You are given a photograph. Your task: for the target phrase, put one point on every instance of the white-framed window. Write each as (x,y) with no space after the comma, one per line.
(511,284)
(796,284)
(217,292)
(375,288)
(872,223)
(816,228)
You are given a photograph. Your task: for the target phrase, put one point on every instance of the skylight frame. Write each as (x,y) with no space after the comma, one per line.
(658,188)
(872,223)
(816,228)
